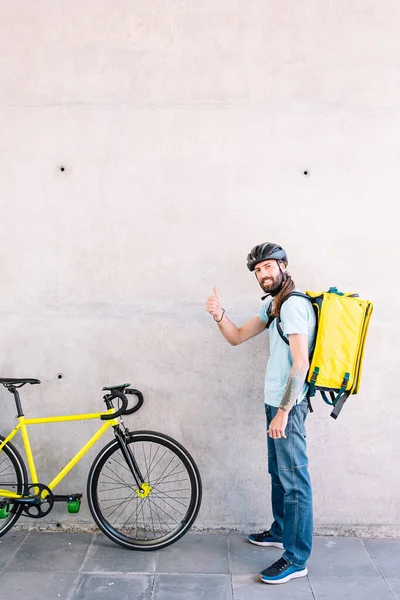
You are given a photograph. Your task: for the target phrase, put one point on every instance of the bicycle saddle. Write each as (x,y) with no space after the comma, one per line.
(120,387)
(15,380)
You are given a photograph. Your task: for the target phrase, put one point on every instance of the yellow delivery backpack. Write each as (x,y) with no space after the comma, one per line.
(336,361)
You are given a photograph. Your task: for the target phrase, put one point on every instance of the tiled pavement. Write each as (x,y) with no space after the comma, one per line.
(85,566)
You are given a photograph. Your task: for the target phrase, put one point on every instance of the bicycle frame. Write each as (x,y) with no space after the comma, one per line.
(22,425)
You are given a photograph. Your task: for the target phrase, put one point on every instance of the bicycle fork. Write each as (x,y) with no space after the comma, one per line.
(144,489)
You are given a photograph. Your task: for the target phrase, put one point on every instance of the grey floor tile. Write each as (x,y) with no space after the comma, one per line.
(248,587)
(36,586)
(51,552)
(9,544)
(350,588)
(192,587)
(340,557)
(386,554)
(110,587)
(106,556)
(195,553)
(394,585)
(248,559)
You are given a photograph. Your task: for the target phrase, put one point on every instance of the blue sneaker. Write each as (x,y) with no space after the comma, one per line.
(281,572)
(264,539)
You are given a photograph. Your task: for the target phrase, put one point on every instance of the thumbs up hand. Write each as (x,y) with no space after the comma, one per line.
(213,305)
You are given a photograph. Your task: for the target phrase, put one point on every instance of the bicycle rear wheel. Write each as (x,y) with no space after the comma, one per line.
(13,477)
(173,492)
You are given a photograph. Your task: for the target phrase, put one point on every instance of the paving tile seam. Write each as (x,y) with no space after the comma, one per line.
(191,573)
(335,577)
(156,562)
(230,566)
(118,573)
(390,588)
(379,571)
(311,587)
(153,584)
(14,553)
(73,586)
(87,554)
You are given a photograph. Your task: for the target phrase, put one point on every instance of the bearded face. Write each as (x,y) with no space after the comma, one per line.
(270,275)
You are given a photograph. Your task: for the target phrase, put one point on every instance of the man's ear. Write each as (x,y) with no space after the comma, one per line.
(282,266)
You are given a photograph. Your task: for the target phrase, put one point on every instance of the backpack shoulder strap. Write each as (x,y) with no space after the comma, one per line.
(278,323)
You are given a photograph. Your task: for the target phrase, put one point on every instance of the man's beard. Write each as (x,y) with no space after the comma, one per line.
(272,285)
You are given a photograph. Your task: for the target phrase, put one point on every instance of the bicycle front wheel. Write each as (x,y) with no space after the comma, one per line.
(172,487)
(13,477)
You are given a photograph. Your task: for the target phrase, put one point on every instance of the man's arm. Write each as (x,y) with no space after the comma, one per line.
(233,334)
(237,335)
(299,349)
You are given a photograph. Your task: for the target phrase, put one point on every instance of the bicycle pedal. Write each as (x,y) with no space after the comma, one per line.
(74,503)
(4,510)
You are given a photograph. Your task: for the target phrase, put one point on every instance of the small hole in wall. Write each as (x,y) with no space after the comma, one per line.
(62,168)
(306,173)
(60,375)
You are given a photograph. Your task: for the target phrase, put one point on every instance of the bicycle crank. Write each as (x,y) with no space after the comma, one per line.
(37,504)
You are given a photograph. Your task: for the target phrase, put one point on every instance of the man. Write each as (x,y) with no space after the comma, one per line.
(286,407)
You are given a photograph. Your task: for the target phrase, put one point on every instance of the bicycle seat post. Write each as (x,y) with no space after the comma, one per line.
(13,390)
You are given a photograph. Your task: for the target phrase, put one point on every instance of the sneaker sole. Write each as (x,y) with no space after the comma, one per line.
(267,544)
(294,575)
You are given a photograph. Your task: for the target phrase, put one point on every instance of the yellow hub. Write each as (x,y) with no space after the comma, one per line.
(145,491)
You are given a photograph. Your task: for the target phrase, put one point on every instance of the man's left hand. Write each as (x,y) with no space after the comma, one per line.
(278,425)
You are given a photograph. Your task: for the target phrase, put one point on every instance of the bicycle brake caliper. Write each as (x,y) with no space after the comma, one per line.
(144,491)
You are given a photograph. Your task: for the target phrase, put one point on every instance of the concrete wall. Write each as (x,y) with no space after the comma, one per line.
(184,130)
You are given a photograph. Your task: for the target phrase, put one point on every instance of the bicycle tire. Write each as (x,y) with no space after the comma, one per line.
(110,474)
(13,476)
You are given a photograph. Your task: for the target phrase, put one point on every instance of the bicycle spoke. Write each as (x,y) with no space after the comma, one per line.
(174,499)
(157,463)
(115,474)
(158,514)
(129,485)
(154,516)
(163,477)
(111,489)
(168,504)
(173,481)
(151,461)
(122,464)
(151,517)
(123,500)
(6,467)
(134,512)
(164,511)
(143,520)
(144,458)
(122,511)
(157,489)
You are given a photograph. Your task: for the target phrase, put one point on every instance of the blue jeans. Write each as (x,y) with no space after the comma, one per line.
(291,492)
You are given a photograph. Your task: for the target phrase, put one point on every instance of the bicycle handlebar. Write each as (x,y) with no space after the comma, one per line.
(139,403)
(124,408)
(120,411)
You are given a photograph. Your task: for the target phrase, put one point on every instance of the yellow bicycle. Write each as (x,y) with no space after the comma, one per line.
(143,489)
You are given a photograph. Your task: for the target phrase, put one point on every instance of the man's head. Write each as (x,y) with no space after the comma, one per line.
(269,262)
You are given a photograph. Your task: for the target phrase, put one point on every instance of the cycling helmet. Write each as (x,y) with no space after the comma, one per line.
(267,251)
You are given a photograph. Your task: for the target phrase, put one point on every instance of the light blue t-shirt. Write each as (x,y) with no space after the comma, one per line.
(297,316)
